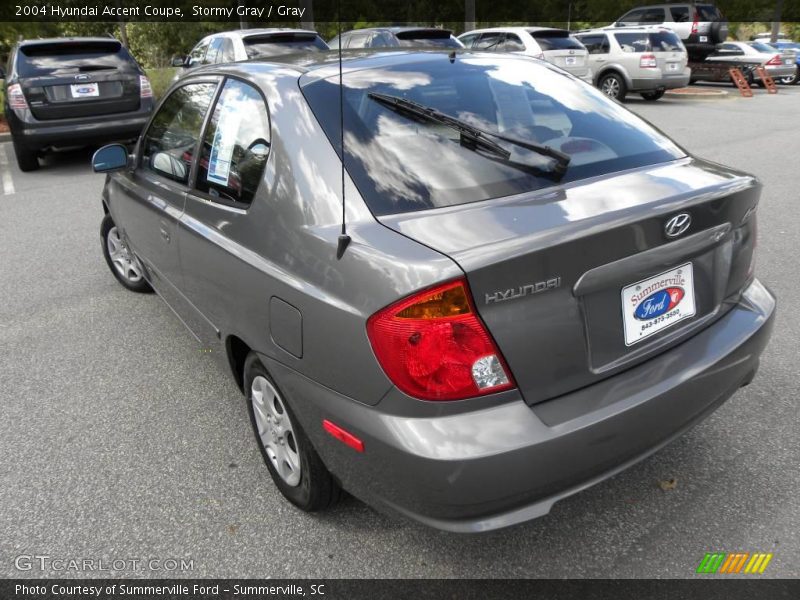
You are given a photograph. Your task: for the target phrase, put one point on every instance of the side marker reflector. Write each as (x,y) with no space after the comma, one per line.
(343,436)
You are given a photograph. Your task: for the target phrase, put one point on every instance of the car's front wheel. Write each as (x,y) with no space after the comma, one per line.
(613,86)
(295,467)
(653,96)
(790,80)
(123,263)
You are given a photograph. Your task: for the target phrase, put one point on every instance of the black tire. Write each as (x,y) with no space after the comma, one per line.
(719,32)
(133,284)
(791,80)
(317,490)
(27,159)
(613,86)
(653,96)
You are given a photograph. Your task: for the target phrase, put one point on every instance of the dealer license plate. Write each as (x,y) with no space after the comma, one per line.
(654,304)
(84,90)
(571,60)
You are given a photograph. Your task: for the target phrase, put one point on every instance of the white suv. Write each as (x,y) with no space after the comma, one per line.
(647,60)
(700,25)
(556,46)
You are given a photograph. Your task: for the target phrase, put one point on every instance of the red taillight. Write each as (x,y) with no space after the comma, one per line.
(343,436)
(775,61)
(145,91)
(648,61)
(16,99)
(695,23)
(433,346)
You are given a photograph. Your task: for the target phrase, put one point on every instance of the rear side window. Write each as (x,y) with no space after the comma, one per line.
(665,41)
(595,44)
(434,38)
(72,57)
(707,12)
(633,42)
(556,40)
(235,146)
(401,163)
(168,146)
(513,43)
(680,14)
(276,44)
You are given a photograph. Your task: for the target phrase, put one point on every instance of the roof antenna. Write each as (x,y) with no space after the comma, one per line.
(344,239)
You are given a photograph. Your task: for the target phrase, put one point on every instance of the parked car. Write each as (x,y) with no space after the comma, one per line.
(244,44)
(644,60)
(747,56)
(396,37)
(62,92)
(788,46)
(535,290)
(556,46)
(767,36)
(700,25)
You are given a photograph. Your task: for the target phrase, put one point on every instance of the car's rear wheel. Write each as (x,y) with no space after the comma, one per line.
(613,86)
(27,159)
(295,467)
(790,80)
(653,96)
(123,263)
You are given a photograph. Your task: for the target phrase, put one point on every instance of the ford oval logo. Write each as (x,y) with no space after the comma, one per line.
(658,303)
(677,225)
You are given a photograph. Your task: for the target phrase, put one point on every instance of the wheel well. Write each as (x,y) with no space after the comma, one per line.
(610,70)
(237,354)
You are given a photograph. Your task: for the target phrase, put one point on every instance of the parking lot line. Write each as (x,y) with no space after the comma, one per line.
(5,172)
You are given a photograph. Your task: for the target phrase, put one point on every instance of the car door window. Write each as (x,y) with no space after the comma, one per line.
(227,54)
(489,41)
(197,55)
(235,146)
(168,146)
(468,40)
(635,16)
(512,43)
(358,40)
(653,15)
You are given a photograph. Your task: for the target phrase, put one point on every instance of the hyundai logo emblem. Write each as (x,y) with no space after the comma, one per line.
(677,225)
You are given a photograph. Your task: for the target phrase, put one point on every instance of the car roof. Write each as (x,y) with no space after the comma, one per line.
(395,29)
(637,29)
(320,65)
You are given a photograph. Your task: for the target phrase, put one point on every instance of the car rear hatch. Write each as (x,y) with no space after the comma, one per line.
(78,78)
(560,276)
(561,49)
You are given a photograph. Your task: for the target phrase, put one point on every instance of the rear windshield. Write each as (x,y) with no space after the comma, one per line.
(763,47)
(661,41)
(402,164)
(71,57)
(556,40)
(427,38)
(283,43)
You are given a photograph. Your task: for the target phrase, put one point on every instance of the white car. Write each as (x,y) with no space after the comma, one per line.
(556,46)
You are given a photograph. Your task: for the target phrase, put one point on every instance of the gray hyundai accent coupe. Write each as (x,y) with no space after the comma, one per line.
(534,290)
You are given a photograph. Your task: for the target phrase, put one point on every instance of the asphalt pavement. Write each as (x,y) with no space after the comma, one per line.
(120,440)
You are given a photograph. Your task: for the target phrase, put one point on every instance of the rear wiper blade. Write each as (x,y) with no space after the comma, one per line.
(471,136)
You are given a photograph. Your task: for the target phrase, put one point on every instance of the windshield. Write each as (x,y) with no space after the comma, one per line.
(435,39)
(282,43)
(70,57)
(402,164)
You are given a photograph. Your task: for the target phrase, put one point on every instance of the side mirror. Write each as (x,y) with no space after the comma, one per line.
(178,61)
(110,158)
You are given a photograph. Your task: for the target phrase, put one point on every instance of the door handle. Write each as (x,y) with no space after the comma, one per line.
(165,234)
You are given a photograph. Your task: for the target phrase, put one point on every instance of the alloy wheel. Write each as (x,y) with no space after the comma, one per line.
(126,264)
(275,430)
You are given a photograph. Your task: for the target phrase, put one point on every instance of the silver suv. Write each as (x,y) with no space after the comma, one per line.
(699,25)
(647,60)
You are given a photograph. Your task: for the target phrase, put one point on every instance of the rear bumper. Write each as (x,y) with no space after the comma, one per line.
(491,468)
(35,134)
(778,72)
(665,82)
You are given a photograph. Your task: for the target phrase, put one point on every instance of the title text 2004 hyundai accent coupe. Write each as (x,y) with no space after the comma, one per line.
(540,288)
